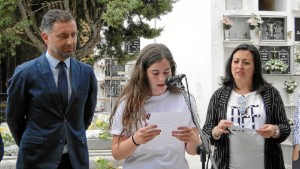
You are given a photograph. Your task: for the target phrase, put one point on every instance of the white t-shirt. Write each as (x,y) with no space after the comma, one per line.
(168,156)
(246,148)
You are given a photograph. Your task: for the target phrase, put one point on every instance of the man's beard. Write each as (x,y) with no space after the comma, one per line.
(65,55)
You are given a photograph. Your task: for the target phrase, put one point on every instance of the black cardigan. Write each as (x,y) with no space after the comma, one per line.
(275,114)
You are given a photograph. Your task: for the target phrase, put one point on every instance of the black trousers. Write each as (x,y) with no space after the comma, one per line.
(65,162)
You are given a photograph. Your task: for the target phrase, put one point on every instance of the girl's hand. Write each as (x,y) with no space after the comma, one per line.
(185,134)
(145,134)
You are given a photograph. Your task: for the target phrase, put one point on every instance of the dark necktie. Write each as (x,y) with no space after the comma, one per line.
(62,84)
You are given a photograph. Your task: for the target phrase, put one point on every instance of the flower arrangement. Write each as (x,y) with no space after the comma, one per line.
(290,122)
(227,23)
(276,64)
(290,85)
(297,54)
(254,21)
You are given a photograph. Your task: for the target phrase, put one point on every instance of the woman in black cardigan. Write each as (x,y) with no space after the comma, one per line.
(247,101)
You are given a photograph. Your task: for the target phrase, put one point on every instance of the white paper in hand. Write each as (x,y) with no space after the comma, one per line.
(167,122)
(235,128)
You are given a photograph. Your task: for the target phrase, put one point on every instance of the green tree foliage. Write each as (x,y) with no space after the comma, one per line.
(11,33)
(107,24)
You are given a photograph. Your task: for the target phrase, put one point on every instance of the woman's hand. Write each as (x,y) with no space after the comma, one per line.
(145,134)
(267,130)
(222,128)
(185,134)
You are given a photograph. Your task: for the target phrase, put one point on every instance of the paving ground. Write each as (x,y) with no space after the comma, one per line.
(194,161)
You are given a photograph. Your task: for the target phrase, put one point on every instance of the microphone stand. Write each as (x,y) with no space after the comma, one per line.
(205,147)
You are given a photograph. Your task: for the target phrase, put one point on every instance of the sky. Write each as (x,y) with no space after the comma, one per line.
(187,33)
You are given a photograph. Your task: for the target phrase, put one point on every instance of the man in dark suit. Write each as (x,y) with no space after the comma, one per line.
(49,133)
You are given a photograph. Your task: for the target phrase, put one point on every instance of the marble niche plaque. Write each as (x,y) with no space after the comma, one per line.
(240,30)
(275,52)
(113,69)
(273,29)
(234,5)
(113,88)
(297,29)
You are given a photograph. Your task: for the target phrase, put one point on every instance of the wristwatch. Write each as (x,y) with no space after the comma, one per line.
(276,135)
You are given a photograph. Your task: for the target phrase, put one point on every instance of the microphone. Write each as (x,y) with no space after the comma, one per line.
(170,81)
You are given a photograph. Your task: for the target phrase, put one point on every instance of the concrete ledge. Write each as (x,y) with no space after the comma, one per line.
(97,144)
(97,148)
(287,150)
(9,162)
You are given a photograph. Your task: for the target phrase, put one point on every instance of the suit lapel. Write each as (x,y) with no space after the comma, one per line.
(46,72)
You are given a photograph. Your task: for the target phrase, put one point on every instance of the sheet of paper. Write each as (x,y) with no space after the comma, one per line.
(240,129)
(167,122)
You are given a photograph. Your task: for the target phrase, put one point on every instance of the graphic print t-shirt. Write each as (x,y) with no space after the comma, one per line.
(246,148)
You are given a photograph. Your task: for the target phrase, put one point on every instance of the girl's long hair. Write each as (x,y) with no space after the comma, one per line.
(138,90)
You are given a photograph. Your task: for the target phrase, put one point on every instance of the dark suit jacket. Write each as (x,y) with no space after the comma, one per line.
(36,118)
